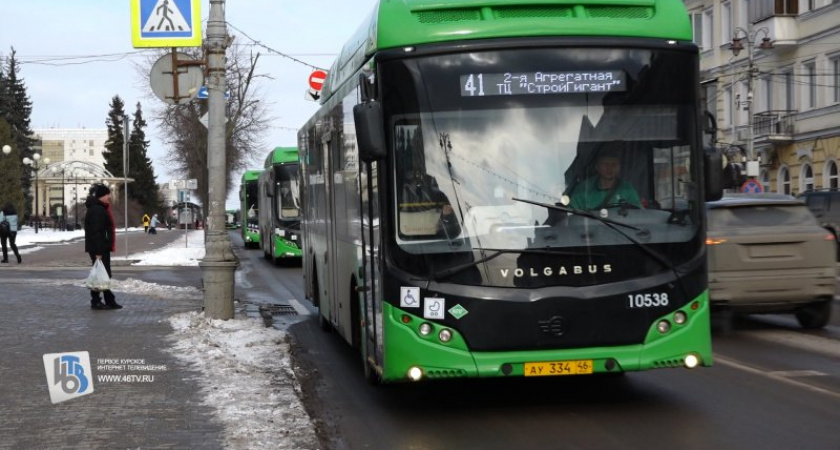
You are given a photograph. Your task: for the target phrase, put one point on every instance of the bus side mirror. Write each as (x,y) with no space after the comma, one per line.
(713,173)
(370,131)
(269,192)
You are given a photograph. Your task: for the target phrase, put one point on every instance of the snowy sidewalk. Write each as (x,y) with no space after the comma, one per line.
(205,384)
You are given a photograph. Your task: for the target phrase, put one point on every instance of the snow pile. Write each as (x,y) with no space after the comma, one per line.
(248,380)
(187,250)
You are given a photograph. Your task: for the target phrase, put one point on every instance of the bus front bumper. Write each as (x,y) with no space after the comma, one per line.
(412,355)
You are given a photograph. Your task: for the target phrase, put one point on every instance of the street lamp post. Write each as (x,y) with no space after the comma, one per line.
(55,171)
(36,164)
(736,46)
(75,175)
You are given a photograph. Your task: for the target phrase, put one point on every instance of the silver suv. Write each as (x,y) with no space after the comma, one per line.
(768,254)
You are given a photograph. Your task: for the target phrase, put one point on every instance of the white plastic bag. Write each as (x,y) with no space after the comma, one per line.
(98,279)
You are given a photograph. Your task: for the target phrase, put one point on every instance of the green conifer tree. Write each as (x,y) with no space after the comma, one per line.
(16,110)
(114,145)
(144,189)
(10,167)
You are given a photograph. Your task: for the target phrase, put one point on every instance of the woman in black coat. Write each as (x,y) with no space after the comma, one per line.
(100,239)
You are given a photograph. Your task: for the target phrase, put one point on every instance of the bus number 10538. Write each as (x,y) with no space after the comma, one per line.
(647,300)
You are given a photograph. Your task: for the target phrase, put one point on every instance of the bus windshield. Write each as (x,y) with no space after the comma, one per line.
(603,131)
(251,202)
(287,192)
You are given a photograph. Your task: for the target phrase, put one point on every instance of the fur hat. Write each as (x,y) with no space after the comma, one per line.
(99,190)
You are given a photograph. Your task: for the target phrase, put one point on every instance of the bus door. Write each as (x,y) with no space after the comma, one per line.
(330,282)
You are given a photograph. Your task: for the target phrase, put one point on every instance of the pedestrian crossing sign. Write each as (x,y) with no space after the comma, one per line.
(165,23)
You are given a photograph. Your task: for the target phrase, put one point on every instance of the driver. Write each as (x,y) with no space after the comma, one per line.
(606,188)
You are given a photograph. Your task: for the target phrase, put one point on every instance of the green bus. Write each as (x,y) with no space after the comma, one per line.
(249,208)
(279,196)
(441,173)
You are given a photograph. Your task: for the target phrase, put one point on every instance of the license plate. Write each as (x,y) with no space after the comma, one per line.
(574,367)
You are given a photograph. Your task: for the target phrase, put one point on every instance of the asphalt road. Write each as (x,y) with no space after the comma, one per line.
(773,386)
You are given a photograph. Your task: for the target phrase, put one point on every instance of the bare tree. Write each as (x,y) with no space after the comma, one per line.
(247,121)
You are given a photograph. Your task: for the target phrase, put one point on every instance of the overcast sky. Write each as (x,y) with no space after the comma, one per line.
(75,56)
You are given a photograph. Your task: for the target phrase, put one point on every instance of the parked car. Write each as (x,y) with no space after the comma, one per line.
(825,204)
(767,253)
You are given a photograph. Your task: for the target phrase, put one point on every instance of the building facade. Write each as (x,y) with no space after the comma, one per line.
(771,79)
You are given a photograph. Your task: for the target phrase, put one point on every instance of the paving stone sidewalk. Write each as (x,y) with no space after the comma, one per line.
(43,316)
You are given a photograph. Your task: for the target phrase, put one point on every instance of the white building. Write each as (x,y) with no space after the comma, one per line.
(778,100)
(71,160)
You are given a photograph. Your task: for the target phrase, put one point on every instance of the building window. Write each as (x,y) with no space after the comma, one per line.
(708,23)
(743,13)
(830,173)
(835,78)
(697,28)
(741,103)
(767,90)
(811,83)
(806,180)
(725,22)
(764,179)
(727,107)
(789,89)
(784,180)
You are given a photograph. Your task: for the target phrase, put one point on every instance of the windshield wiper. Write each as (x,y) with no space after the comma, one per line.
(578,212)
(613,225)
(453,270)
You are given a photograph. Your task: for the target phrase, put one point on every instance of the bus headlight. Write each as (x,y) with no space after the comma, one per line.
(691,361)
(415,373)
(663,326)
(680,317)
(425,328)
(445,335)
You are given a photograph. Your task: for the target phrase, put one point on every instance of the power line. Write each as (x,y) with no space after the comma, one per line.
(271,50)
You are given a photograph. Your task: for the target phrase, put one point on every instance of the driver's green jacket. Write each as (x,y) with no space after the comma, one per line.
(588,195)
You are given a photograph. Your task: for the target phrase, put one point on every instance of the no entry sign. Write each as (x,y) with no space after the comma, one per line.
(316,79)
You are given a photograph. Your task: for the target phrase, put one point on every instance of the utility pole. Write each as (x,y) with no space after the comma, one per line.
(219,262)
(736,46)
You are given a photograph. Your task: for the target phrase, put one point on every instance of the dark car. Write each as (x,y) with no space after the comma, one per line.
(769,254)
(825,205)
